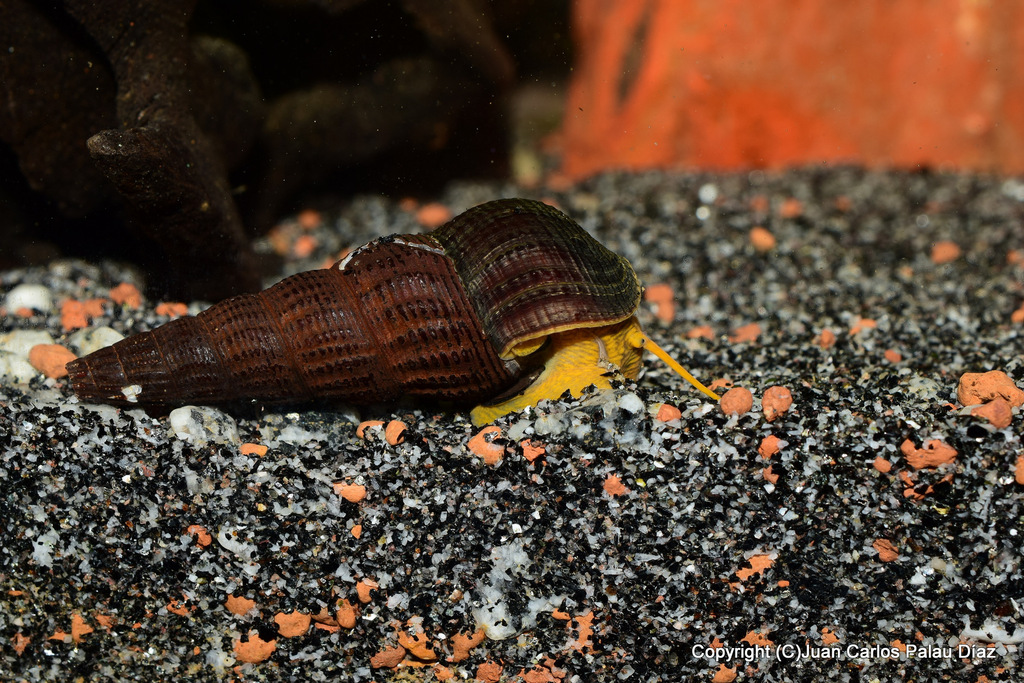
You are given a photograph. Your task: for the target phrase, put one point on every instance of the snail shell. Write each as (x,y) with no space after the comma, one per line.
(461,314)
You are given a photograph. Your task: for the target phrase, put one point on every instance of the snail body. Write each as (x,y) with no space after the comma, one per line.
(507,304)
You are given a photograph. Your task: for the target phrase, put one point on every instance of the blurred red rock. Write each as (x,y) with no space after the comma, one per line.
(732,84)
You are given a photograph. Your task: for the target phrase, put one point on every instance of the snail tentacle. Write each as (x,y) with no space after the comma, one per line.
(679,369)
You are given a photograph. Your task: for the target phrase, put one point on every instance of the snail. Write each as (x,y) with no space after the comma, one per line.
(507,304)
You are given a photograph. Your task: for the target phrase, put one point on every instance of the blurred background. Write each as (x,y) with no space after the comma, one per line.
(151,131)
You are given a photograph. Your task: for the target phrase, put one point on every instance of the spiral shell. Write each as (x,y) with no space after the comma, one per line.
(454,315)
(531,271)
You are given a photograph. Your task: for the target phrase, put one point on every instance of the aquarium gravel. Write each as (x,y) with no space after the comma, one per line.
(869,531)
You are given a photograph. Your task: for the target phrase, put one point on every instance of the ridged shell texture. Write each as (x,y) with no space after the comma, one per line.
(415,315)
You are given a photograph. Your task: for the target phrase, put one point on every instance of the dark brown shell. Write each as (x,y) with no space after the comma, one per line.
(407,315)
(531,271)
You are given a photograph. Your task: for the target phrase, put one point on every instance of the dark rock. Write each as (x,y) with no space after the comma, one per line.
(169,115)
(169,174)
(57,91)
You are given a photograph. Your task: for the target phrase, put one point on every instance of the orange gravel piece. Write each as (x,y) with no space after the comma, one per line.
(613,486)
(701,332)
(583,643)
(77,314)
(725,674)
(893,356)
(126,294)
(175,606)
(1018,470)
(79,629)
(1015,317)
(50,359)
(546,671)
(60,636)
(489,672)
(309,219)
(863,324)
(828,637)
(981,387)
(389,658)
(19,642)
(758,563)
(776,401)
(933,454)
(94,307)
(668,412)
(254,449)
(280,238)
(882,465)
(433,215)
(418,644)
(539,674)
(769,475)
(357,530)
(762,239)
(945,252)
(736,401)
(663,298)
(345,617)
(239,606)
(292,624)
(908,491)
(532,450)
(886,550)
(998,412)
(826,340)
(791,208)
(254,650)
(769,446)
(353,493)
(304,246)
(443,673)
(367,424)
(172,309)
(203,537)
(324,621)
(462,644)
(365,588)
(720,383)
(746,333)
(347,613)
(482,445)
(756,638)
(394,433)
